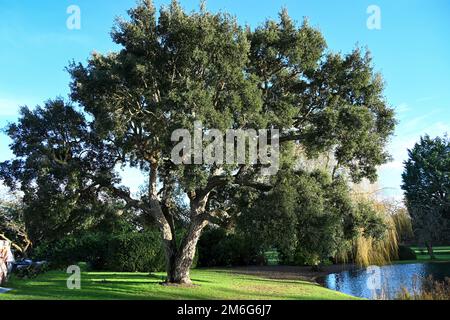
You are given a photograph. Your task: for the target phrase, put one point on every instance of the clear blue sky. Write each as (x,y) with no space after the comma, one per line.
(412,50)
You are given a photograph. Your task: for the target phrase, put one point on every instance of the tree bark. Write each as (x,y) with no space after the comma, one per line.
(179,259)
(430,251)
(181,262)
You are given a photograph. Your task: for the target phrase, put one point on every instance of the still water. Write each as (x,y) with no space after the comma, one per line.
(392,279)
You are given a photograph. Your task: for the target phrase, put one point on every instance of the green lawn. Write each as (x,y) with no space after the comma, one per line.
(442,253)
(210,284)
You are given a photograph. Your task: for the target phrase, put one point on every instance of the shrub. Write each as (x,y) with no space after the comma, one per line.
(131,252)
(217,248)
(406,253)
(94,250)
(91,248)
(136,252)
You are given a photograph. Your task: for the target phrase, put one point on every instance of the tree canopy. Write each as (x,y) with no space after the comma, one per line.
(176,68)
(426,182)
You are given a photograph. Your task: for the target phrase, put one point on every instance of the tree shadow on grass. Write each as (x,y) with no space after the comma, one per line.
(141,286)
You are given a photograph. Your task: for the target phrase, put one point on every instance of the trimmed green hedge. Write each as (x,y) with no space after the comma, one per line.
(217,248)
(136,252)
(131,252)
(406,253)
(143,251)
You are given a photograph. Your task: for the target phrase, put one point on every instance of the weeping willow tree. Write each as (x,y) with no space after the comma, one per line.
(376,240)
(402,220)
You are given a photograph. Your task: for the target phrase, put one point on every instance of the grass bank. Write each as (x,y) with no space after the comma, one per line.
(210,285)
(442,254)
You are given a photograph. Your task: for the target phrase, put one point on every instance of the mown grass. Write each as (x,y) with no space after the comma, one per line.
(209,285)
(442,254)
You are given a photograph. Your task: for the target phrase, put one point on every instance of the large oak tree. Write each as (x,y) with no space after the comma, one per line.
(176,68)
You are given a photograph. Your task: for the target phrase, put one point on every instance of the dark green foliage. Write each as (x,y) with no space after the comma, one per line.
(132,252)
(406,253)
(217,248)
(308,217)
(136,252)
(172,69)
(367,219)
(335,102)
(91,248)
(57,157)
(426,182)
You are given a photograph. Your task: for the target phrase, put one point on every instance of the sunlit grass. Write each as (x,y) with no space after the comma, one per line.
(441,253)
(209,285)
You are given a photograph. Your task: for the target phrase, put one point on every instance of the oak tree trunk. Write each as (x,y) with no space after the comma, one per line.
(430,251)
(180,262)
(179,259)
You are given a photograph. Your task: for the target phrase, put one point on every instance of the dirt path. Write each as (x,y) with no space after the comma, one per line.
(292,272)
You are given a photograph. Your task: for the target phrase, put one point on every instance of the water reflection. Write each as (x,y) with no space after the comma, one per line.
(393,278)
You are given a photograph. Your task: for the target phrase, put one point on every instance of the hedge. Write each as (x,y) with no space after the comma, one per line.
(217,248)
(132,252)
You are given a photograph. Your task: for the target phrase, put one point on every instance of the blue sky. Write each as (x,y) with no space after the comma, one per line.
(411,50)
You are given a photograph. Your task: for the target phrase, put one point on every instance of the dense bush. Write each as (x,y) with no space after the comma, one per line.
(90,247)
(307,216)
(217,248)
(132,252)
(406,253)
(135,252)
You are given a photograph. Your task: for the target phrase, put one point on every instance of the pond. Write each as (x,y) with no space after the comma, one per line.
(391,278)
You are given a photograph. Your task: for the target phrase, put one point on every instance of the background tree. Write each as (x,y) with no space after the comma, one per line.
(57,159)
(12,225)
(426,182)
(178,68)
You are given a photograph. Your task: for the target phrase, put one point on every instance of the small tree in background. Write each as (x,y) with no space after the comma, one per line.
(12,225)
(426,182)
